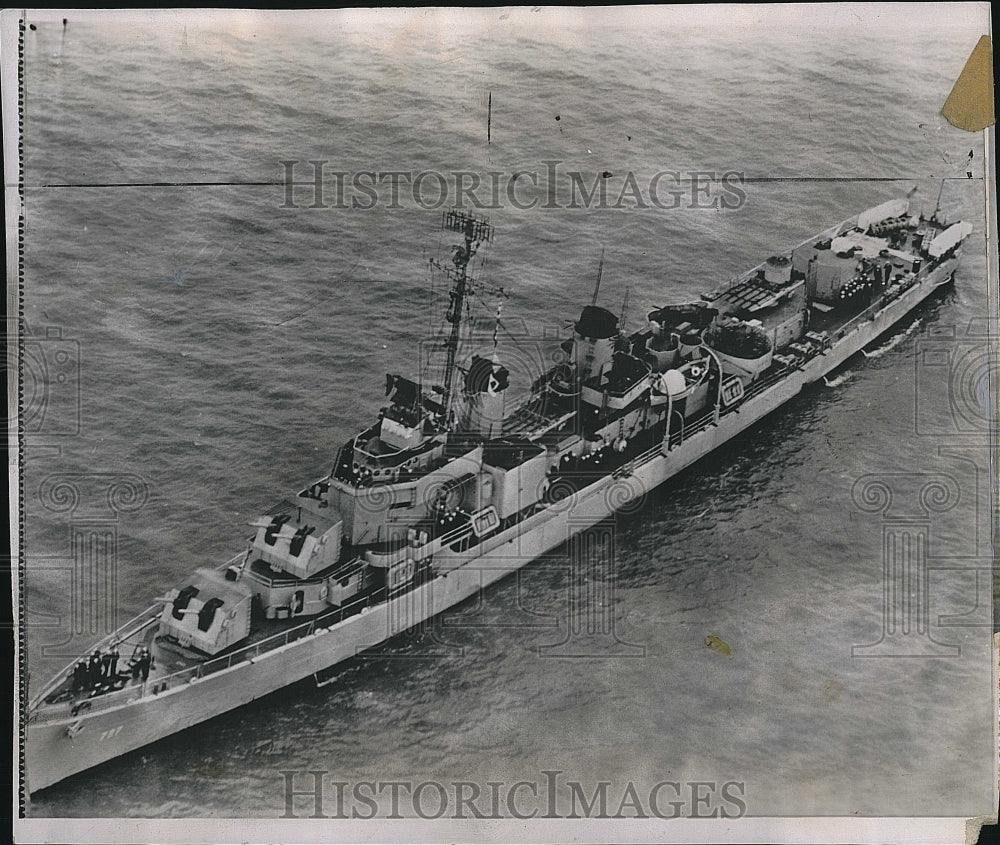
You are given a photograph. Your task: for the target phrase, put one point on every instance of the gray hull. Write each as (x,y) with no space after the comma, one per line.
(62,746)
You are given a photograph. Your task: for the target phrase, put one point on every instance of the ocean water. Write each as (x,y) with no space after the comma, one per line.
(227,345)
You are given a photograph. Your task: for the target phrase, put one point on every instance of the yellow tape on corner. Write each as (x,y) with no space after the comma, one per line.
(970,104)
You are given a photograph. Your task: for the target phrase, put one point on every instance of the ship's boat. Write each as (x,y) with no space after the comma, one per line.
(417,508)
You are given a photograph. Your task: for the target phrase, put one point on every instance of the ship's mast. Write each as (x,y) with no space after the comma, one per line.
(589,357)
(475,231)
(937,205)
(600,272)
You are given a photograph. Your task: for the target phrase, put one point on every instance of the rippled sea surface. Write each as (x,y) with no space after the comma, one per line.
(227,345)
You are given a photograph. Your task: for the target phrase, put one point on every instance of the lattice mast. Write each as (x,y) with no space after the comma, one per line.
(475,231)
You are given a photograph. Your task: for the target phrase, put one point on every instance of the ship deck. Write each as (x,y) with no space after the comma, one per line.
(545,414)
(541,415)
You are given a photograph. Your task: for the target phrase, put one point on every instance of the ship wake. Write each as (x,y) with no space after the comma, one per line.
(838,380)
(892,342)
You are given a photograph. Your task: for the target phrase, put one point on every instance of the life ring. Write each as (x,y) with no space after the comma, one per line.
(324,591)
(697,370)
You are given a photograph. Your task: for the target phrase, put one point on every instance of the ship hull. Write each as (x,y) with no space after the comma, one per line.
(59,748)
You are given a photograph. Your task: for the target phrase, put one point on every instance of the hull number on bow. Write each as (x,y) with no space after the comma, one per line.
(732,391)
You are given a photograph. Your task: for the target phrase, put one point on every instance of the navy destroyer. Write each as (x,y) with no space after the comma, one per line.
(450,490)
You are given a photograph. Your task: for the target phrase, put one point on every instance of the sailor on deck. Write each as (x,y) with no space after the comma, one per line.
(106,667)
(94,669)
(80,675)
(141,663)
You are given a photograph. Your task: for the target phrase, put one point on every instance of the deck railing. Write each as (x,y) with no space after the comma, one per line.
(121,634)
(885,299)
(334,616)
(248,653)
